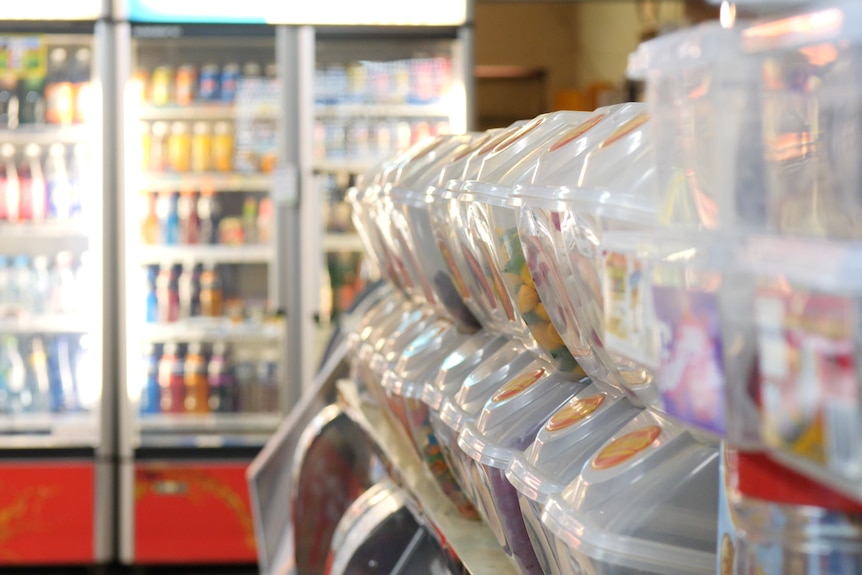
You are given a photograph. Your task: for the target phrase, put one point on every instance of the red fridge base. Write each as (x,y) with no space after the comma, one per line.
(47,513)
(192,513)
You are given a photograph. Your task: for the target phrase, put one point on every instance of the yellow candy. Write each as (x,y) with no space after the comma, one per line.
(527,298)
(542,312)
(554,337)
(512,279)
(525,275)
(540,332)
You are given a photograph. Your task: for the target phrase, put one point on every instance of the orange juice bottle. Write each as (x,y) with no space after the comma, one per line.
(150,224)
(223,147)
(179,147)
(202,148)
(195,379)
(212,297)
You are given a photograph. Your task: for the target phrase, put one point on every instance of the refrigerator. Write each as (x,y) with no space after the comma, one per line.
(204,336)
(56,303)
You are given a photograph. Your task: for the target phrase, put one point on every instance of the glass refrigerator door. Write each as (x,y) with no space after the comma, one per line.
(204,361)
(51,300)
(373,97)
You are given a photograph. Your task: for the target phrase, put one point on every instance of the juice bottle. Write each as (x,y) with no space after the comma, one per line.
(167,295)
(10,191)
(83,90)
(59,92)
(150,224)
(222,385)
(152,302)
(166,210)
(28,204)
(189,286)
(212,297)
(179,147)
(9,100)
(185,85)
(223,147)
(160,85)
(249,221)
(36,384)
(150,393)
(189,223)
(159,147)
(196,384)
(202,147)
(141,84)
(171,380)
(209,214)
(264,221)
(146,145)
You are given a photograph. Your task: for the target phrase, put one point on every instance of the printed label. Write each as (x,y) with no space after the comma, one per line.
(691,375)
(577,132)
(518,385)
(808,374)
(625,331)
(625,130)
(622,449)
(576,411)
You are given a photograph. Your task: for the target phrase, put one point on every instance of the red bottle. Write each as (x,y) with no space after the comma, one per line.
(171,380)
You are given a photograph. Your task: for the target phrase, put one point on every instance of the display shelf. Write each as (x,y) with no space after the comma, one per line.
(472,541)
(217,423)
(249,254)
(50,324)
(198,111)
(48,229)
(215,181)
(343,166)
(382,110)
(214,330)
(334,242)
(47,430)
(47,134)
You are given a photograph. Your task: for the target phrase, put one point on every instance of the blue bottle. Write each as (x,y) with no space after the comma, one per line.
(152,303)
(150,393)
(61,380)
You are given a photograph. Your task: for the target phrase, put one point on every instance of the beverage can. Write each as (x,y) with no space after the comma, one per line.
(223,147)
(229,78)
(185,84)
(179,147)
(161,87)
(202,148)
(208,88)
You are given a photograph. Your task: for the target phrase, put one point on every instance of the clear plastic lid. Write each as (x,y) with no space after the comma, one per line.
(514,414)
(646,500)
(567,440)
(458,365)
(483,382)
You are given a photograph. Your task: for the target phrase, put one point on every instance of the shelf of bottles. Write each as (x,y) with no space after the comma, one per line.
(48,106)
(209,339)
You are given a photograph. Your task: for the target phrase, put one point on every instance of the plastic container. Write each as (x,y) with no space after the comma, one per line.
(404,385)
(507,425)
(466,404)
(645,503)
(561,448)
(411,222)
(797,318)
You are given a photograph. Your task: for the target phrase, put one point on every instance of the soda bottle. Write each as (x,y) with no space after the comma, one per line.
(222,385)
(152,302)
(63,285)
(267,379)
(171,380)
(79,179)
(37,384)
(249,220)
(10,189)
(179,147)
(185,85)
(59,92)
(150,227)
(189,223)
(197,386)
(209,82)
(246,382)
(151,392)
(190,292)
(61,380)
(168,218)
(24,284)
(41,285)
(8,100)
(211,292)
(83,90)
(228,82)
(167,295)
(202,149)
(12,375)
(31,97)
(209,214)
(58,184)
